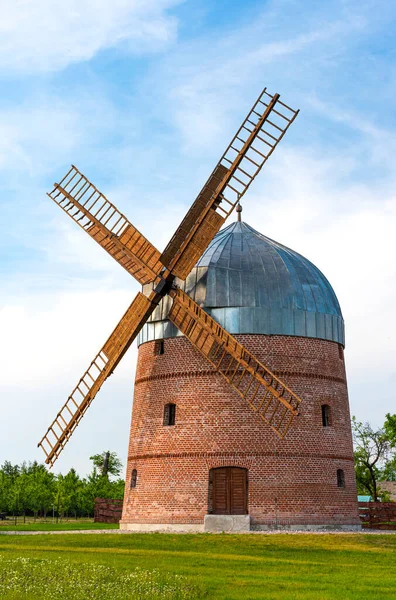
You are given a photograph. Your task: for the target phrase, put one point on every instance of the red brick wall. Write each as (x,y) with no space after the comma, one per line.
(291,481)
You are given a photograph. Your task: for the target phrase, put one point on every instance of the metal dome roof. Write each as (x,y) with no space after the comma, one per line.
(251,284)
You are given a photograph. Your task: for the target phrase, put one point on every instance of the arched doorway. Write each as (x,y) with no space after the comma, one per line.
(228,491)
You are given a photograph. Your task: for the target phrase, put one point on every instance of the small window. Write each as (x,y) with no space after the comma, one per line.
(133,478)
(340,351)
(340,478)
(326,415)
(159,347)
(169,414)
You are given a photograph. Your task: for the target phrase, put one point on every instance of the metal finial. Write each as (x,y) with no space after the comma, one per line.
(239,211)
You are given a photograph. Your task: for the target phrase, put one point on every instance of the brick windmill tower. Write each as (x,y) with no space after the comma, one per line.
(191,435)
(218,440)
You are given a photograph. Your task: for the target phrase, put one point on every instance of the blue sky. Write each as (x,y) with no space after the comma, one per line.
(144,96)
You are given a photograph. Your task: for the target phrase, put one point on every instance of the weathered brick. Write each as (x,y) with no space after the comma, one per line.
(290,481)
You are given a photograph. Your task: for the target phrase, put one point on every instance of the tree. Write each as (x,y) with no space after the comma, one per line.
(42,488)
(389,470)
(10,498)
(3,491)
(72,487)
(390,429)
(9,469)
(372,450)
(62,498)
(8,477)
(108,463)
(31,489)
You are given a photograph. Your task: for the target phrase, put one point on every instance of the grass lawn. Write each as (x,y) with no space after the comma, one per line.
(48,525)
(300,567)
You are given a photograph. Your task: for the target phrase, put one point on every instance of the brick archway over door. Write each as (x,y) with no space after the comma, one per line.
(229,491)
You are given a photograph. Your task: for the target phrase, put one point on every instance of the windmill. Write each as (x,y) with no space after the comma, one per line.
(256,139)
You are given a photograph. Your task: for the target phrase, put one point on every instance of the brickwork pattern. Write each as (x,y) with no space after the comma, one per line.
(290,481)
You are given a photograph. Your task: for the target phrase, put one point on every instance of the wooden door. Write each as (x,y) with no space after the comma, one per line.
(229,491)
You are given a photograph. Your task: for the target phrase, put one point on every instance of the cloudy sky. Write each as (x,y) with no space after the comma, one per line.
(143,96)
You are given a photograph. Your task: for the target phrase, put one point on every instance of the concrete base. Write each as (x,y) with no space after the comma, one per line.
(164,527)
(259,527)
(234,523)
(230,523)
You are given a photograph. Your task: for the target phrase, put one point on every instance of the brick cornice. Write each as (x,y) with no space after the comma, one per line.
(237,455)
(204,373)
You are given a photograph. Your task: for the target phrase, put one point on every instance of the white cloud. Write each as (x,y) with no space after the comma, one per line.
(61,333)
(47,35)
(43,132)
(29,134)
(207,83)
(376,145)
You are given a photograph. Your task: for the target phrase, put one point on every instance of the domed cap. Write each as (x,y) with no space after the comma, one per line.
(251,284)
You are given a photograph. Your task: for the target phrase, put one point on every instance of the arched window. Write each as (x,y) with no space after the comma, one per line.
(159,347)
(133,478)
(326,415)
(340,351)
(169,414)
(340,478)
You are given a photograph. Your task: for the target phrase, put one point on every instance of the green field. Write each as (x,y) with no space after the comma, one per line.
(236,566)
(49,525)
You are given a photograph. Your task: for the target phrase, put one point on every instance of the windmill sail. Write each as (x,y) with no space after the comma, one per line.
(90,383)
(248,151)
(275,403)
(91,210)
(254,142)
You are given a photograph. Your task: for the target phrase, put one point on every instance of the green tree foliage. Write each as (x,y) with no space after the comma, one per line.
(107,463)
(375,458)
(390,429)
(30,489)
(389,470)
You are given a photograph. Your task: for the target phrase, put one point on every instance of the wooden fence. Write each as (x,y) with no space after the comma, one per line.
(107,510)
(378,515)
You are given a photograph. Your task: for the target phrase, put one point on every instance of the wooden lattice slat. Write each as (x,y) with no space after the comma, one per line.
(276,404)
(90,383)
(253,144)
(91,210)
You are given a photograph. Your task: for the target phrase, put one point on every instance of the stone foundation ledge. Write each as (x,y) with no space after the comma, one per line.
(313,527)
(235,523)
(163,527)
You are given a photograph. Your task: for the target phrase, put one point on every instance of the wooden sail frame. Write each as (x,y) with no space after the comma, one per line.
(254,142)
(94,213)
(243,159)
